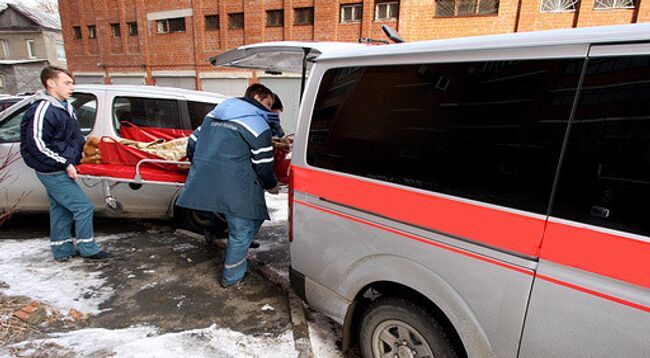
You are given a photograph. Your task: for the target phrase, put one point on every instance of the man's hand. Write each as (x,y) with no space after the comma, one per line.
(275,190)
(72,171)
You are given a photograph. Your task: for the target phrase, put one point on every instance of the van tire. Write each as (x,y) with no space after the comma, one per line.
(197,220)
(425,337)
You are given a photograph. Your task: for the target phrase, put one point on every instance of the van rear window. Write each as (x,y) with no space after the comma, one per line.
(488,131)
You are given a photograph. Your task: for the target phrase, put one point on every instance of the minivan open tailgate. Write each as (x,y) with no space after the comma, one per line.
(278,56)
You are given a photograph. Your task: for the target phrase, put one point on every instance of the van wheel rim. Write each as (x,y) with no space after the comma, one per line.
(398,339)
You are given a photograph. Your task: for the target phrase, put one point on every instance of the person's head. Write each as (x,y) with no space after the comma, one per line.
(58,82)
(261,94)
(277,106)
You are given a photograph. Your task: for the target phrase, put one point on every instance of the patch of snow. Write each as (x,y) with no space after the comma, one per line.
(28,268)
(147,342)
(278,208)
(267,307)
(323,334)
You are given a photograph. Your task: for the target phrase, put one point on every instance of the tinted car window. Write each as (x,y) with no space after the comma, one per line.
(198,110)
(10,126)
(605,176)
(489,131)
(85,104)
(147,112)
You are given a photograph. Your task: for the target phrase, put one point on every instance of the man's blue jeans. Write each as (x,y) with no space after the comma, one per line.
(69,204)
(241,232)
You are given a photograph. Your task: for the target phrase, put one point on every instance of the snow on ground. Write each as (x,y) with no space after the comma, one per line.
(278,208)
(146,342)
(28,268)
(323,336)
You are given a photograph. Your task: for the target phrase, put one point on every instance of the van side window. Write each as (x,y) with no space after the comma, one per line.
(605,176)
(488,131)
(86,106)
(197,111)
(147,112)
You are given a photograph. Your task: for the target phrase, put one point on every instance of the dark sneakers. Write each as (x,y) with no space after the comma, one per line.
(100,256)
(254,244)
(65,259)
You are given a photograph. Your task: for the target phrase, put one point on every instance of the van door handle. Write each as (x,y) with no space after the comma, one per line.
(599,212)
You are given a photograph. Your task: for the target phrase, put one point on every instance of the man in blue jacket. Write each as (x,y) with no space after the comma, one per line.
(51,143)
(232,164)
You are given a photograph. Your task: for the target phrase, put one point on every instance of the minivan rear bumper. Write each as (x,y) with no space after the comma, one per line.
(297,283)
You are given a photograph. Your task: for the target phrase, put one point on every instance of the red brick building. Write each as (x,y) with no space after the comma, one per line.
(168,43)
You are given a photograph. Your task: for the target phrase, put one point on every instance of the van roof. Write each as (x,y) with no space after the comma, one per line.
(574,36)
(167,91)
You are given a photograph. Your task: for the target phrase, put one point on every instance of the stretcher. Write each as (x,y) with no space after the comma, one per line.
(110,176)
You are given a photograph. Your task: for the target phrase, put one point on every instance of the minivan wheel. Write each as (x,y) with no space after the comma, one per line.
(197,221)
(394,327)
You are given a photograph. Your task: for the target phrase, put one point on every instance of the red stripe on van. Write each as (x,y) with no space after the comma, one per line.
(605,254)
(500,229)
(417,238)
(478,257)
(594,293)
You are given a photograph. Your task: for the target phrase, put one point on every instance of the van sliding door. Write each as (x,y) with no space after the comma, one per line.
(591,296)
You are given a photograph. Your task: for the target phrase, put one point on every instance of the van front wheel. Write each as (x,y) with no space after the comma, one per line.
(394,327)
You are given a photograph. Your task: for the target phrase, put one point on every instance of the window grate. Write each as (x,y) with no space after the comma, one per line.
(614,4)
(449,8)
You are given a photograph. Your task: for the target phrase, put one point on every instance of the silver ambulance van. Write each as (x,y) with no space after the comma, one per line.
(481,197)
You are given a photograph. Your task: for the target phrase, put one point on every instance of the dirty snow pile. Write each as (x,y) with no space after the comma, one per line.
(147,342)
(27,267)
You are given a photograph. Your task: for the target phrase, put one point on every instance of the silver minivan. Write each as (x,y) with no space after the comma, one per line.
(481,197)
(100,110)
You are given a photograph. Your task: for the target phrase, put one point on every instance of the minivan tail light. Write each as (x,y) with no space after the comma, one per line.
(290,203)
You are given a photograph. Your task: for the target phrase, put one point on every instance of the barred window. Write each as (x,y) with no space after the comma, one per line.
(447,8)
(115,30)
(613,4)
(558,5)
(236,21)
(133,28)
(304,16)
(212,22)
(274,18)
(77,32)
(92,32)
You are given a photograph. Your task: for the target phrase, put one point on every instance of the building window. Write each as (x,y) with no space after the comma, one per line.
(2,80)
(351,12)
(92,32)
(387,11)
(212,22)
(167,26)
(304,16)
(236,21)
(31,49)
(613,4)
(77,32)
(447,8)
(5,49)
(558,5)
(133,28)
(60,51)
(115,30)
(274,18)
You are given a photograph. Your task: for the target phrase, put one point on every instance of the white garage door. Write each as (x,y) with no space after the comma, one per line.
(128,80)
(289,91)
(88,80)
(176,82)
(226,86)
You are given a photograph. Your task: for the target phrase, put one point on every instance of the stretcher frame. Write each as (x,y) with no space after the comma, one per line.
(109,183)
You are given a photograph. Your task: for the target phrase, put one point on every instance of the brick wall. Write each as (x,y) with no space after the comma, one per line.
(189,50)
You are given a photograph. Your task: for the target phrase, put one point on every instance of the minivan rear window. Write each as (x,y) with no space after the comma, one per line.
(147,112)
(488,131)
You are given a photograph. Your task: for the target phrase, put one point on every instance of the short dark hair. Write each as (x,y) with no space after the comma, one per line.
(50,72)
(258,89)
(277,104)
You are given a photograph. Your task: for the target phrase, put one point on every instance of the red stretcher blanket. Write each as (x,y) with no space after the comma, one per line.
(120,160)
